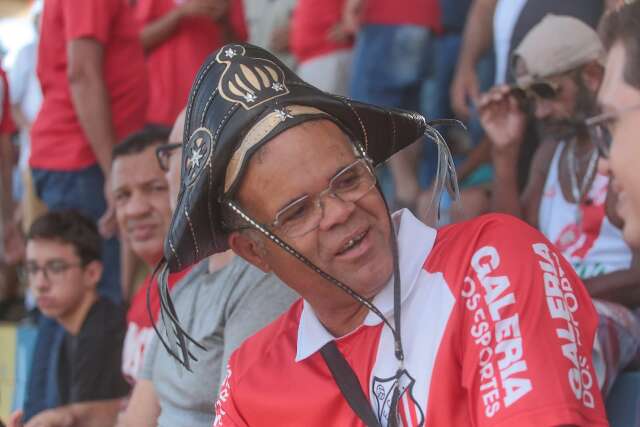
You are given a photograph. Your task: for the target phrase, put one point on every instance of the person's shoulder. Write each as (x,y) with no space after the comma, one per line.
(269,348)
(488,227)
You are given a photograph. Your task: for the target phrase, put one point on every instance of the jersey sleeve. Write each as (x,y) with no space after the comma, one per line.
(528,327)
(89,19)
(226,412)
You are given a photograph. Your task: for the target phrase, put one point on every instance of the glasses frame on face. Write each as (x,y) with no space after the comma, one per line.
(51,272)
(277,223)
(163,154)
(540,89)
(601,128)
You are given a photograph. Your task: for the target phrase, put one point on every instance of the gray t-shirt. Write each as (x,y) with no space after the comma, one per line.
(219,310)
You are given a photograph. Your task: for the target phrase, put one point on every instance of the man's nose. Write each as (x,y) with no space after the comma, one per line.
(39,281)
(543,109)
(335,211)
(138,205)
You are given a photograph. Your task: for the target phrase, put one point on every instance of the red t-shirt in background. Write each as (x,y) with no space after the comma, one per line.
(58,142)
(7,126)
(312,20)
(173,64)
(139,326)
(425,13)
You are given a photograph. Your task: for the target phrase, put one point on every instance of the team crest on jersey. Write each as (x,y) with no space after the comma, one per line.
(409,412)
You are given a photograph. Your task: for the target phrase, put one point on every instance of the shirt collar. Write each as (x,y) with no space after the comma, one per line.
(415,241)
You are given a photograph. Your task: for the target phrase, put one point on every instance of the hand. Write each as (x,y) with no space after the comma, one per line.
(14,244)
(51,418)
(464,90)
(339,34)
(107,224)
(280,39)
(15,420)
(502,118)
(352,16)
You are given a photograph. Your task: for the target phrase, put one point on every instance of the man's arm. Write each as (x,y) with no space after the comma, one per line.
(90,97)
(476,41)
(143,408)
(622,287)
(87,414)
(156,32)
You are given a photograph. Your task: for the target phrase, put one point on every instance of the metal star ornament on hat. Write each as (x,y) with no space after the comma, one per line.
(242,98)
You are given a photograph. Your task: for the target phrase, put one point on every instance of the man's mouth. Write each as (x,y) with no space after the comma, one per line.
(353,243)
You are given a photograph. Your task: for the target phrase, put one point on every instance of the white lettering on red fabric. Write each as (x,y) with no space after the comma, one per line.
(135,343)
(562,304)
(223,396)
(496,331)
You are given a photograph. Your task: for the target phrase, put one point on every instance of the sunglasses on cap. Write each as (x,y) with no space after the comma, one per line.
(601,128)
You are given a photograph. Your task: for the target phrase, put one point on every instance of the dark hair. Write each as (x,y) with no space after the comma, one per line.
(622,25)
(139,141)
(69,226)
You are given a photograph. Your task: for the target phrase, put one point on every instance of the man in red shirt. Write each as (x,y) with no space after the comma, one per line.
(7,161)
(481,323)
(177,37)
(92,74)
(143,211)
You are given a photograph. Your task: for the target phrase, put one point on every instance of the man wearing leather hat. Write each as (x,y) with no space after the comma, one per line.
(480,323)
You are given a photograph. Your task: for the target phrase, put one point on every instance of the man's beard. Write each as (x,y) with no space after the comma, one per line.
(586,106)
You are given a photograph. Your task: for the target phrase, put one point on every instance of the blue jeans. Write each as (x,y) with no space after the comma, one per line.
(435,98)
(390,65)
(82,190)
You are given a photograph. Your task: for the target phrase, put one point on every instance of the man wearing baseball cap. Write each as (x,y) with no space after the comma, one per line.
(558,69)
(481,323)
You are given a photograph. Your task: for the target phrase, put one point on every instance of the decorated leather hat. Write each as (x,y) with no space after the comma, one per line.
(242,97)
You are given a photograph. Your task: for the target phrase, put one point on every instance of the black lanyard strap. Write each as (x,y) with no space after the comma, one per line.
(348,384)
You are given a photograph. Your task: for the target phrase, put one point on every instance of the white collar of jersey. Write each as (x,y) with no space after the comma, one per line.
(415,241)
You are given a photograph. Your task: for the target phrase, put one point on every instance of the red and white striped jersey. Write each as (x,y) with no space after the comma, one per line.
(497,331)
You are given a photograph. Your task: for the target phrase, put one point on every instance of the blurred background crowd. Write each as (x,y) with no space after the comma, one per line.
(79,78)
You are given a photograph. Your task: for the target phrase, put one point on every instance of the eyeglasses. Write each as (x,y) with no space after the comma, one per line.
(542,89)
(601,129)
(163,154)
(52,270)
(304,214)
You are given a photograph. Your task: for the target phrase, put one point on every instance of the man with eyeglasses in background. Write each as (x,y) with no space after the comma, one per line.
(558,73)
(63,268)
(619,124)
(222,300)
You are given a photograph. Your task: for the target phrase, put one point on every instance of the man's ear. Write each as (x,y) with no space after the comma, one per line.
(252,250)
(93,273)
(592,76)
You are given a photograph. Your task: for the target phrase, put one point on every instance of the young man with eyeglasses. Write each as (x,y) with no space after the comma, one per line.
(63,269)
(559,71)
(618,125)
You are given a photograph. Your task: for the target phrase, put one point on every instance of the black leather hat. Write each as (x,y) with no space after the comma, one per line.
(242,97)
